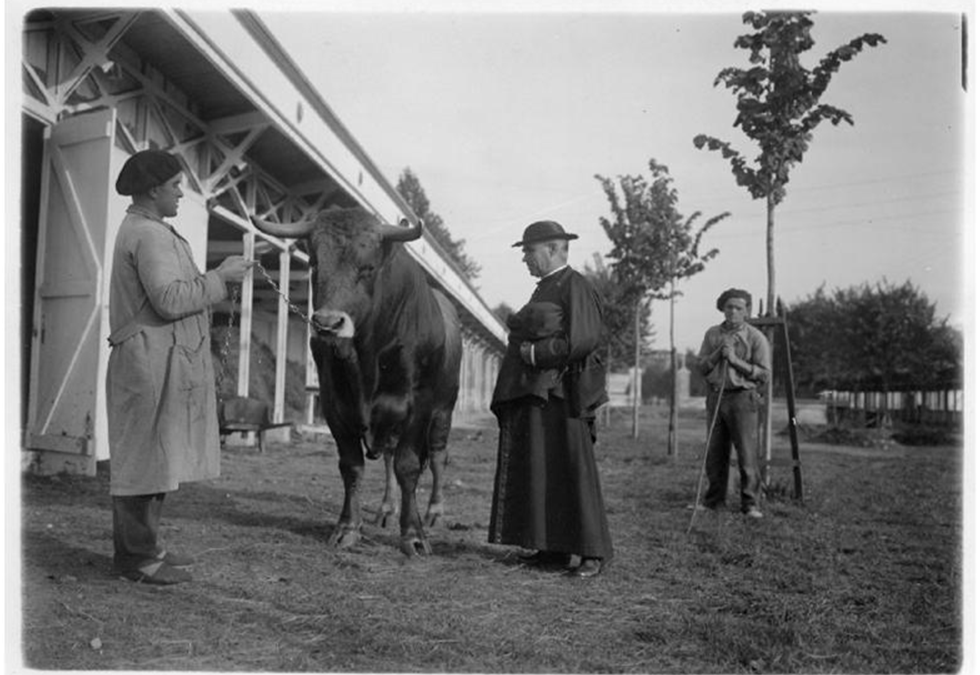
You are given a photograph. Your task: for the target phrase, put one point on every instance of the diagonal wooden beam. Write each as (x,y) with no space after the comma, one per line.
(319,186)
(238,123)
(233,157)
(94,54)
(231,183)
(38,84)
(176,145)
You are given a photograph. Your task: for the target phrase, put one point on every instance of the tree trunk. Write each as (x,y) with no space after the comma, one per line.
(637,379)
(833,408)
(884,409)
(672,424)
(770,255)
(770,311)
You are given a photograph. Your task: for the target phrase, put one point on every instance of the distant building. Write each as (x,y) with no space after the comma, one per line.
(619,389)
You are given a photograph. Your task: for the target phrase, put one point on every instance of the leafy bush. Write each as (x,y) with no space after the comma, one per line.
(842,435)
(925,436)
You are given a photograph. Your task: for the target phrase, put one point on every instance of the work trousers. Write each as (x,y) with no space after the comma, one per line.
(737,421)
(135,524)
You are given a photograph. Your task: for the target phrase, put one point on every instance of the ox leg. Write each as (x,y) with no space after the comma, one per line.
(388,508)
(407,471)
(348,530)
(437,506)
(438,457)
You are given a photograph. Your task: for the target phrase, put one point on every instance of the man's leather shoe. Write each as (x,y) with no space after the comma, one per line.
(546,559)
(175,559)
(158,573)
(590,567)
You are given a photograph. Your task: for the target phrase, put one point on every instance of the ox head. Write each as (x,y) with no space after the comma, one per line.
(348,248)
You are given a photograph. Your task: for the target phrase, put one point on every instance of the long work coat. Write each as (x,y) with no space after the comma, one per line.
(547,494)
(160,391)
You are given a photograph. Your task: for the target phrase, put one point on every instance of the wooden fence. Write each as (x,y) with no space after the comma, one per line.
(940,408)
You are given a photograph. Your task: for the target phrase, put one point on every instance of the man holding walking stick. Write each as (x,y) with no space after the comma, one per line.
(735,360)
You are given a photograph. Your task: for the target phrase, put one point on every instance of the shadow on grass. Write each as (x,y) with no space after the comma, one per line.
(63,489)
(59,560)
(207,505)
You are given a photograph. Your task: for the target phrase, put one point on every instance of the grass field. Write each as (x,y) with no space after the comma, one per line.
(864,575)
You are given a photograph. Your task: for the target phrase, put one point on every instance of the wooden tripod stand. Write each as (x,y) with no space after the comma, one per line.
(770,326)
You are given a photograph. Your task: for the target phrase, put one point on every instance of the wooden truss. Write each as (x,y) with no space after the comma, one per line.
(74,62)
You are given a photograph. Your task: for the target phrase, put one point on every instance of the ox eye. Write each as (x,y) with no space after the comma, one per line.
(365,271)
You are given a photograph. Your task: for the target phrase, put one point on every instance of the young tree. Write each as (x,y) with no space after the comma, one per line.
(653,246)
(618,345)
(685,261)
(778,108)
(637,234)
(411,191)
(620,341)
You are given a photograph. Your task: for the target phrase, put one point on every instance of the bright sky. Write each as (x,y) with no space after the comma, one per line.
(506,116)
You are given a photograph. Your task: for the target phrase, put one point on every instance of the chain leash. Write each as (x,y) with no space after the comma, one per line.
(225,351)
(292,308)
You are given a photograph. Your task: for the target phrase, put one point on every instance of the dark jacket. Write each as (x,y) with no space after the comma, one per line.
(563,319)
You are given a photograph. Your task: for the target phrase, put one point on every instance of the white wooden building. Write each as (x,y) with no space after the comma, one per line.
(256,138)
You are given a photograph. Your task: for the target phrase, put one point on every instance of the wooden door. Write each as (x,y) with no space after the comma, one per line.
(67,325)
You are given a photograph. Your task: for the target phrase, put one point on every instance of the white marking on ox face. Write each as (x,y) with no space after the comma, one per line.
(337,324)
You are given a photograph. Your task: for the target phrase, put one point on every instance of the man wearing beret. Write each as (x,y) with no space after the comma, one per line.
(734,359)
(547,495)
(160,389)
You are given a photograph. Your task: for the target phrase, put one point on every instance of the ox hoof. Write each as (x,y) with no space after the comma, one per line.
(371,453)
(344,537)
(384,514)
(414,547)
(434,514)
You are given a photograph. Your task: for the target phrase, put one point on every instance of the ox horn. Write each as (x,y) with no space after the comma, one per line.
(403,233)
(295,230)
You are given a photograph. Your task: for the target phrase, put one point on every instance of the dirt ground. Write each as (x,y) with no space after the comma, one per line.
(864,575)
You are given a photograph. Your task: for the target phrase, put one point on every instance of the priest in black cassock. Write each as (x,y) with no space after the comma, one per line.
(546,493)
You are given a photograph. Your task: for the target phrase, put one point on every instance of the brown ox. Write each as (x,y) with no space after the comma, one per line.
(387,349)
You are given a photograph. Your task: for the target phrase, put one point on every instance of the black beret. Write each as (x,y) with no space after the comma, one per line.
(146,170)
(734,293)
(544,230)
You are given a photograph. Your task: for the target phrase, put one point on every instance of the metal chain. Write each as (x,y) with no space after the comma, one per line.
(225,350)
(292,308)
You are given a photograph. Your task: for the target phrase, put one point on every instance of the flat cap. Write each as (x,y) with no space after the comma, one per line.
(146,170)
(734,293)
(544,230)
